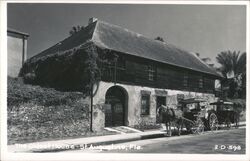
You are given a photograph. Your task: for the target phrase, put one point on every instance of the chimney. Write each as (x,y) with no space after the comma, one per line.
(92,19)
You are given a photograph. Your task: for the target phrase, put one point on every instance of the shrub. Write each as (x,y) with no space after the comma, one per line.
(36,113)
(29,78)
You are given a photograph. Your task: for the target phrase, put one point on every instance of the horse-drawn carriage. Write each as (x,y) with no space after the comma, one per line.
(195,110)
(196,115)
(193,114)
(227,113)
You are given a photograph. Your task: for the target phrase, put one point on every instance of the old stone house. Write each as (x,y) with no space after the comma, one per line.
(17,51)
(144,74)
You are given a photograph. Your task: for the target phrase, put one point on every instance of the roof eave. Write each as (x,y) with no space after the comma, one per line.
(17,32)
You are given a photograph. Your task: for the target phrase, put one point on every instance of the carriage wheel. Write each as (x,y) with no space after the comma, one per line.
(213,122)
(198,127)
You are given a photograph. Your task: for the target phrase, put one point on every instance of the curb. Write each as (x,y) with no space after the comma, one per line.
(64,146)
(240,124)
(144,137)
(115,141)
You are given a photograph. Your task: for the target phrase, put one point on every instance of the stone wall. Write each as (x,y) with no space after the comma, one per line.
(133,115)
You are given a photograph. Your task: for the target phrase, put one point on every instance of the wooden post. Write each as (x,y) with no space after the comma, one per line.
(115,70)
(115,74)
(91,108)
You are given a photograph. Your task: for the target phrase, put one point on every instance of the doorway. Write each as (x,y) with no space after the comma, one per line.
(160,100)
(116,106)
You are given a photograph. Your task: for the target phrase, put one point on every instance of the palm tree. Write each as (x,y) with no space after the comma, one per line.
(233,68)
(232,64)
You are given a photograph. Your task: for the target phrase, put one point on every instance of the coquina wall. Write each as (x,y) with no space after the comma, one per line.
(133,116)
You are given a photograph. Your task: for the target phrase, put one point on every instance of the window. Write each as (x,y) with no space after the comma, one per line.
(145,103)
(151,72)
(185,81)
(200,83)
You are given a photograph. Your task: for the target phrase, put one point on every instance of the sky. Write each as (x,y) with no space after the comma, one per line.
(204,29)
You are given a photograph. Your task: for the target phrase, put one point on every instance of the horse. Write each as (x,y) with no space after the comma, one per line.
(170,116)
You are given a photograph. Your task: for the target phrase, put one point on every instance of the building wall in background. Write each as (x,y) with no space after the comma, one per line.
(17,51)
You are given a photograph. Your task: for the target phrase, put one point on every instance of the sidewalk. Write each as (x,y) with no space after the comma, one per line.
(70,144)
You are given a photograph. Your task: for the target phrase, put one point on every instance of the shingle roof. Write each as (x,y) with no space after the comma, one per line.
(116,38)
(70,42)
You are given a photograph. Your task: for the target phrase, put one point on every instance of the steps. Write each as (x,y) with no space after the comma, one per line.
(122,129)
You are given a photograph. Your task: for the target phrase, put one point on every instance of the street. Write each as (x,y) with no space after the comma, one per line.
(220,142)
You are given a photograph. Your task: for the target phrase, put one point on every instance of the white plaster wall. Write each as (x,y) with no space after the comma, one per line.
(15,55)
(134,100)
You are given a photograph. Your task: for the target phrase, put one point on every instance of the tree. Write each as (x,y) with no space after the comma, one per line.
(159,39)
(75,29)
(233,68)
(232,64)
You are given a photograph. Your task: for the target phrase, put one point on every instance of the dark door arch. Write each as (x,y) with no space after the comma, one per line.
(116,106)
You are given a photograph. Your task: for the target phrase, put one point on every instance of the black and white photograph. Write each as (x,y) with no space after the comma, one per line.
(126,78)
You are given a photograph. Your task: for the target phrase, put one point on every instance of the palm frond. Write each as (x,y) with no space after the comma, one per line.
(232,62)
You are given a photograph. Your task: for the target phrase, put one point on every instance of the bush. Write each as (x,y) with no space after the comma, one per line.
(29,78)
(36,113)
(18,92)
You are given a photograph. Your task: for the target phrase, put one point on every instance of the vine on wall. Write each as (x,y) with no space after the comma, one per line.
(73,70)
